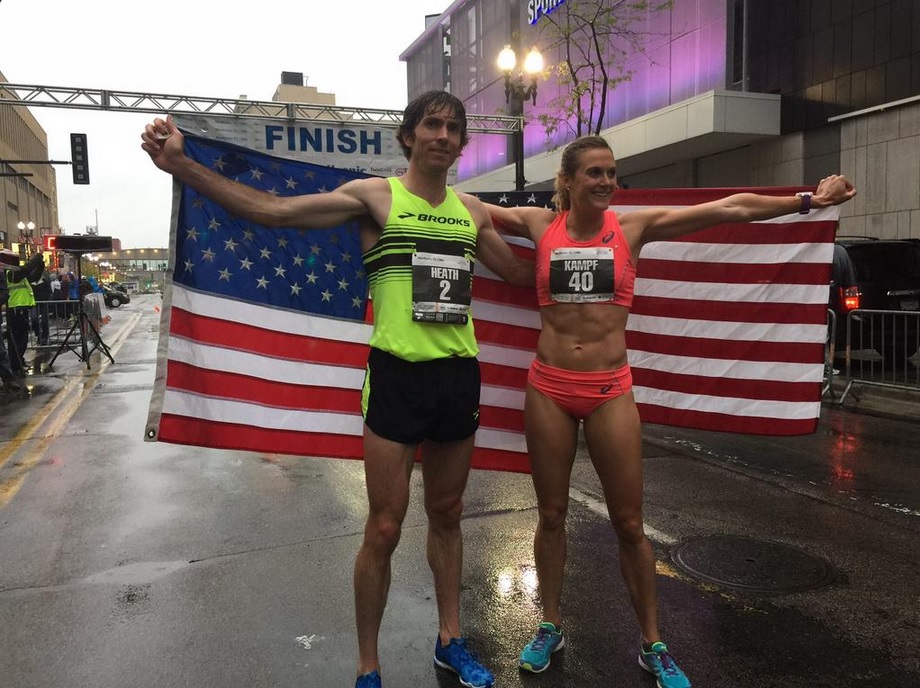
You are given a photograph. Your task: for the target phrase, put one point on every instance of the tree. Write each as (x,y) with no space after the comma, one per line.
(594,39)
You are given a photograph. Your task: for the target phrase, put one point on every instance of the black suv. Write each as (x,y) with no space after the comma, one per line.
(114,297)
(877,274)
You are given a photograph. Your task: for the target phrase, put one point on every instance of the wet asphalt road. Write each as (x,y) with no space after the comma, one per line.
(126,563)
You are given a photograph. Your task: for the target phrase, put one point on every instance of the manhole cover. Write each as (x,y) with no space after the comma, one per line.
(753,565)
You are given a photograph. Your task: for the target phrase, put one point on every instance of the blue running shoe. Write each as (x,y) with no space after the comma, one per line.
(457,658)
(660,663)
(536,655)
(371,680)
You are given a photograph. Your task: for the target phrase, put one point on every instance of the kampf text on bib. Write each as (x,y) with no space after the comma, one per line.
(581,275)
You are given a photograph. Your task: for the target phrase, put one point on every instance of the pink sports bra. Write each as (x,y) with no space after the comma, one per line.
(600,270)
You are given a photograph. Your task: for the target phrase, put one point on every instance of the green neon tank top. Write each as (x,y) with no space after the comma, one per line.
(415,238)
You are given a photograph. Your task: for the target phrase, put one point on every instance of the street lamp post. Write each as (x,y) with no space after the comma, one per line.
(516,93)
(26,230)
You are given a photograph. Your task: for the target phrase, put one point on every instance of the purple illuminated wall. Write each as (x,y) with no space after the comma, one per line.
(685,56)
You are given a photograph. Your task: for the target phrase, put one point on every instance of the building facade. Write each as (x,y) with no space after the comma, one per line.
(28,192)
(139,269)
(721,93)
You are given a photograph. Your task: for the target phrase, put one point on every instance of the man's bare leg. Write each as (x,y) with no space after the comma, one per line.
(387,467)
(446,467)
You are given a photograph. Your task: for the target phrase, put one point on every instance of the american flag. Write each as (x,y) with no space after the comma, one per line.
(264,331)
(728,326)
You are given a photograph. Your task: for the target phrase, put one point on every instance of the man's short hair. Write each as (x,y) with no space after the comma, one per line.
(426,104)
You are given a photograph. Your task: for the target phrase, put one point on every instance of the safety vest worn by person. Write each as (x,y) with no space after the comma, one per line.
(21,295)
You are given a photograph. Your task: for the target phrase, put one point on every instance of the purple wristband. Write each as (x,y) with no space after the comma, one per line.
(806,202)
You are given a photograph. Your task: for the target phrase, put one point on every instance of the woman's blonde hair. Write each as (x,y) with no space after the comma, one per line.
(569,166)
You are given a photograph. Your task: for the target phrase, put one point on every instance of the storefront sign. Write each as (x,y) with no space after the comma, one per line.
(537,8)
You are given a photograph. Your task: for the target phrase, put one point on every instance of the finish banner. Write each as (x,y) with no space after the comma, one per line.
(363,148)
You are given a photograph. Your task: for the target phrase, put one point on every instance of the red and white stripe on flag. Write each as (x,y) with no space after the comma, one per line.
(728,325)
(246,377)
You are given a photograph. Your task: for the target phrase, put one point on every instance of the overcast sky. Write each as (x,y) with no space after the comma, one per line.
(198,48)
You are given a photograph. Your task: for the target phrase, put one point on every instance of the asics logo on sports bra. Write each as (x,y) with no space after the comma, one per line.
(607,237)
(437,219)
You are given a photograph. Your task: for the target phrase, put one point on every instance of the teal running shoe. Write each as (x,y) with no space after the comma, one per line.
(457,658)
(371,680)
(536,655)
(660,663)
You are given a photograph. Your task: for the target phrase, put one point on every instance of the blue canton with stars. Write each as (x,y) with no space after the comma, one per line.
(317,271)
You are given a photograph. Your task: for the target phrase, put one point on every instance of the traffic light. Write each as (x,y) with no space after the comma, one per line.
(50,242)
(79,158)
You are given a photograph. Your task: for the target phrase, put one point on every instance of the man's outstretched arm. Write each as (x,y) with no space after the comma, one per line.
(165,145)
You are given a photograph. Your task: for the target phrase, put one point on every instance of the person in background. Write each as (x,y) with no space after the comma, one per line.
(19,303)
(57,295)
(73,293)
(41,289)
(421,389)
(6,372)
(586,265)
(86,287)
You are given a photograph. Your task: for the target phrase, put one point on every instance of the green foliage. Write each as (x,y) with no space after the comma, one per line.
(593,39)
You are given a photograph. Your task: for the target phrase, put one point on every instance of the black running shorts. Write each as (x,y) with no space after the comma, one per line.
(410,402)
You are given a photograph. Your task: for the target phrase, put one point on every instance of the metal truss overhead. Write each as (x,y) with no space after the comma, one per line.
(160,103)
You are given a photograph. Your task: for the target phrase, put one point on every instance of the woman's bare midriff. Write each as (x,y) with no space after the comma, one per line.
(584,336)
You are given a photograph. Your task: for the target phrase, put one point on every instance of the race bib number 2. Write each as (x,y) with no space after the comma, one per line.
(581,275)
(441,288)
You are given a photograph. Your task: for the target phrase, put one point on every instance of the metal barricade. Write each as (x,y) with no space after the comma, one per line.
(829,352)
(51,321)
(882,350)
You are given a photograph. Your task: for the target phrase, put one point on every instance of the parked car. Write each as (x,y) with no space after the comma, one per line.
(877,274)
(114,298)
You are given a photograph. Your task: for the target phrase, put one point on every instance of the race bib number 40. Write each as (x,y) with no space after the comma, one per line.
(441,288)
(581,275)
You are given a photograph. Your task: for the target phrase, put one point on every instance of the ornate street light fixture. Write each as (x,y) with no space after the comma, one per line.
(515,87)
(518,90)
(26,232)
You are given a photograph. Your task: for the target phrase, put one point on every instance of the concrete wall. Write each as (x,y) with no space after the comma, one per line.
(778,161)
(881,152)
